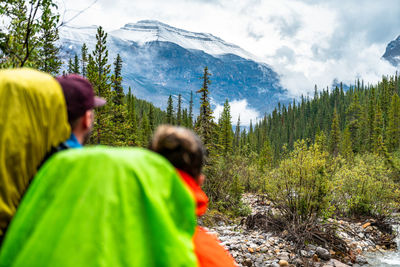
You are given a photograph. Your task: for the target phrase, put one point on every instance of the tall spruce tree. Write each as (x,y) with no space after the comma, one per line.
(205,123)
(84,60)
(48,51)
(30,34)
(170,111)
(334,141)
(236,139)
(118,97)
(179,111)
(393,129)
(225,134)
(75,65)
(190,116)
(99,75)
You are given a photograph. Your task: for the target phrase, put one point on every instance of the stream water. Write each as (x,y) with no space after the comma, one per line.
(388,259)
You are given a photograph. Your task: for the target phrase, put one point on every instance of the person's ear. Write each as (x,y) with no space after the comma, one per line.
(87,119)
(200,179)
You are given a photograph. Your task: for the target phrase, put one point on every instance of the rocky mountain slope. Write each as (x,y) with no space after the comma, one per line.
(160,60)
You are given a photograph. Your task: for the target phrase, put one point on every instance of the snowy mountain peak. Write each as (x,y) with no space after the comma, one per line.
(151,30)
(392,53)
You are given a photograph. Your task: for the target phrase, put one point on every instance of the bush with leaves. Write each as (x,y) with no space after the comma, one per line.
(225,183)
(300,187)
(365,187)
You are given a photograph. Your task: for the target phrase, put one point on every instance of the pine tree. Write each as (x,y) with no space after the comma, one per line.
(334,141)
(371,118)
(84,59)
(266,157)
(378,131)
(393,131)
(354,115)
(118,97)
(225,134)
(190,115)
(205,123)
(236,142)
(191,111)
(30,34)
(151,119)
(179,111)
(75,65)
(48,58)
(132,117)
(99,75)
(346,149)
(145,130)
(170,111)
(70,66)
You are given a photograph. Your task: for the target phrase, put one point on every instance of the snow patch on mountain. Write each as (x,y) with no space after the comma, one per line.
(150,30)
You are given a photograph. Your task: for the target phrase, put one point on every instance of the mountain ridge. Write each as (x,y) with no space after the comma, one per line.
(157,67)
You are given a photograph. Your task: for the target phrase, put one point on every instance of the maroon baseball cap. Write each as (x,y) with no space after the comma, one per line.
(79,95)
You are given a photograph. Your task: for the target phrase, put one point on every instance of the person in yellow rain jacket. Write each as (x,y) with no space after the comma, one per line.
(33,120)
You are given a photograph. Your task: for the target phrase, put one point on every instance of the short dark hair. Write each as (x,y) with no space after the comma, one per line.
(181,146)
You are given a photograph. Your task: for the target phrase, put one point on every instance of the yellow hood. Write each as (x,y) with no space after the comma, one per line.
(33,119)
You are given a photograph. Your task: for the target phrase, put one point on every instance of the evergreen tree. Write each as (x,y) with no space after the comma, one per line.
(151,119)
(84,59)
(237,135)
(225,134)
(371,118)
(170,111)
(179,111)
(378,132)
(99,75)
(393,131)
(70,66)
(132,117)
(191,111)
(205,123)
(266,157)
(118,97)
(29,34)
(346,149)
(146,131)
(48,58)
(75,65)
(354,115)
(334,141)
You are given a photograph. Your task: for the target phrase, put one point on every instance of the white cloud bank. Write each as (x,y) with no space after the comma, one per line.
(239,108)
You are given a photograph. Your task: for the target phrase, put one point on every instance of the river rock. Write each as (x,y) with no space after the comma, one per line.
(361,260)
(247,262)
(283,263)
(323,253)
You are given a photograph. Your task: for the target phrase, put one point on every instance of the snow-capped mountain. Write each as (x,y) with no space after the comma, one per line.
(150,30)
(160,60)
(392,53)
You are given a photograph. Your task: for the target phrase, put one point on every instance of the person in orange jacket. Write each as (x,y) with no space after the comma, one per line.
(186,152)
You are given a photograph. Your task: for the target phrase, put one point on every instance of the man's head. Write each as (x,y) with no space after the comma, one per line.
(182,148)
(81,101)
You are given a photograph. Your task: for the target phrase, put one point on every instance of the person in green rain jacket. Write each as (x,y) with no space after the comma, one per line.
(103,206)
(33,119)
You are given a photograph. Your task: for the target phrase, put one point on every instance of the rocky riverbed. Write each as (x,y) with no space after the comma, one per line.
(257,247)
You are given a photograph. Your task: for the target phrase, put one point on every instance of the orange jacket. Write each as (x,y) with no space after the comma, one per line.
(208,249)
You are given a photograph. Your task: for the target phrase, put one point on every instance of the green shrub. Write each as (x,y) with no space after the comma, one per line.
(300,187)
(365,187)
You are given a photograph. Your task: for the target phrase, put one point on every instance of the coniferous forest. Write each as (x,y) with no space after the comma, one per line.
(336,153)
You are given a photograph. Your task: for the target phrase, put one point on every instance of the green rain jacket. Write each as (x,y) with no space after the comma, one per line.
(33,118)
(103,206)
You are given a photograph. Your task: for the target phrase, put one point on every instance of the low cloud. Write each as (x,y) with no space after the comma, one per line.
(239,108)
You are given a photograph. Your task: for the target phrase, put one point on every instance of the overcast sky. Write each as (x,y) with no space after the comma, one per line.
(307,42)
